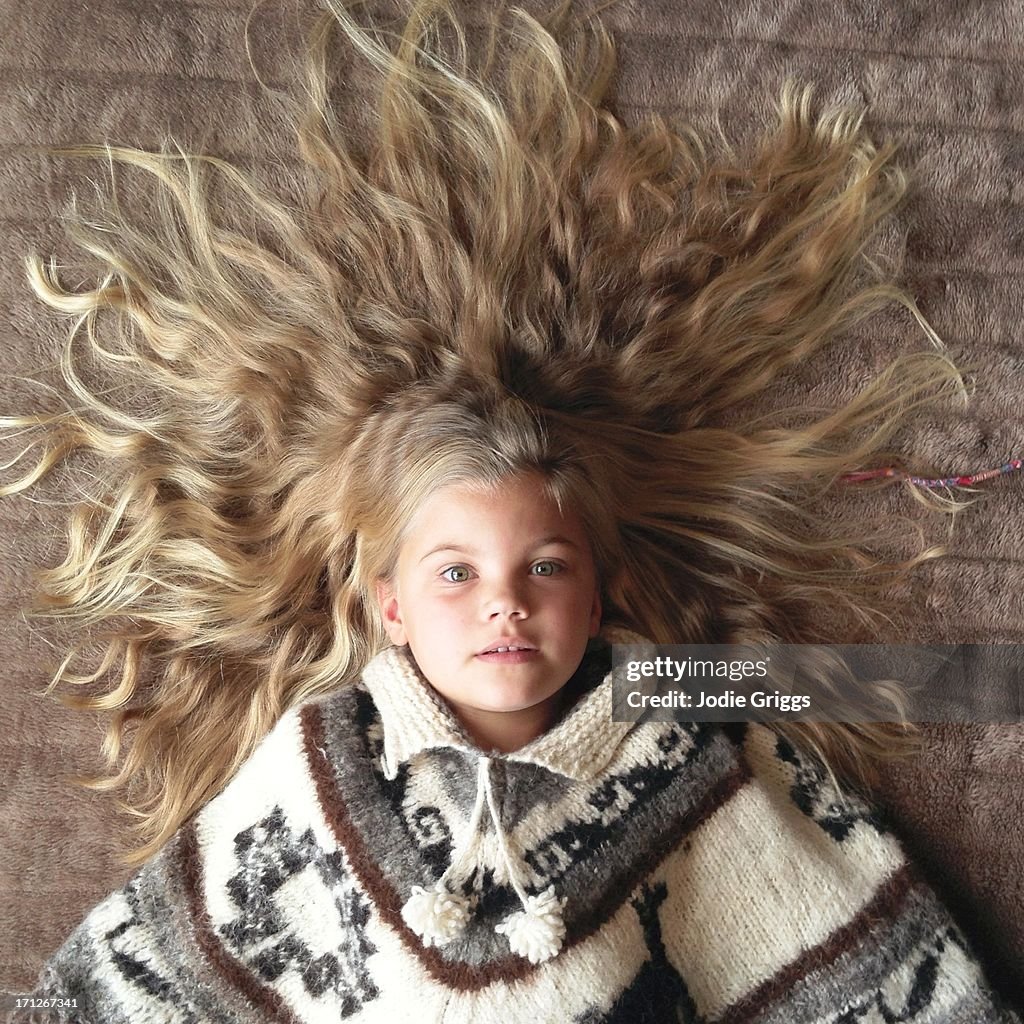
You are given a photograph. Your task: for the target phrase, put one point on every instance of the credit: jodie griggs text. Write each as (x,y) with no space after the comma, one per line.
(818,682)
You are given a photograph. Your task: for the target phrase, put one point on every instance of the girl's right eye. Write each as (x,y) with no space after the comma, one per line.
(455,568)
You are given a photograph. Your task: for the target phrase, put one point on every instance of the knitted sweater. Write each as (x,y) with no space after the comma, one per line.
(368,863)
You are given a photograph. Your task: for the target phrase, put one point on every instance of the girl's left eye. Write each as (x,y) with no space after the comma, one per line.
(552,567)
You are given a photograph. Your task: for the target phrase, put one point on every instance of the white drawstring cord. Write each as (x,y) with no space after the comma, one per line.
(513,874)
(438,915)
(537,931)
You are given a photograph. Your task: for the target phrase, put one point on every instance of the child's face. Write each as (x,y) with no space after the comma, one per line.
(481,569)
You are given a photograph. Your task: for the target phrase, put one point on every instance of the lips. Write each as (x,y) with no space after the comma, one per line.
(505,643)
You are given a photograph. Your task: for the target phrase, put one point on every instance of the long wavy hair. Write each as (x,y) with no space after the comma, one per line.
(505,278)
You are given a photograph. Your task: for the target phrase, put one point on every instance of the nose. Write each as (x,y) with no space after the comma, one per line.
(506,599)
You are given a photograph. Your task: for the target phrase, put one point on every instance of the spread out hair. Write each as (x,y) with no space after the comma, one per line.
(495,275)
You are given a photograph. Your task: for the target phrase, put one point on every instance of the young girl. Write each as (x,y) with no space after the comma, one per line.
(416,455)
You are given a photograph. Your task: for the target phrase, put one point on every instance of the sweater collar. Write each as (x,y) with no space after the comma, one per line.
(414,718)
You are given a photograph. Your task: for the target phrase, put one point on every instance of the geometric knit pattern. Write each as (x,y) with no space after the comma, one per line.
(707,874)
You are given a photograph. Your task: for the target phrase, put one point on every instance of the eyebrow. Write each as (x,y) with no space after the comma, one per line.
(448,545)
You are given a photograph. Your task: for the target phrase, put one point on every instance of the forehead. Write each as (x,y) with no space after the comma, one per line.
(518,505)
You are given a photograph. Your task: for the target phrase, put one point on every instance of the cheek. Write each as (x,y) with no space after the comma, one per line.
(441,608)
(585,596)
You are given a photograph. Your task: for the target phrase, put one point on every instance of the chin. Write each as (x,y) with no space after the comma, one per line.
(511,703)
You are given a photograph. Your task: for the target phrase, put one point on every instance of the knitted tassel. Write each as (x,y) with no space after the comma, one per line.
(537,932)
(436,915)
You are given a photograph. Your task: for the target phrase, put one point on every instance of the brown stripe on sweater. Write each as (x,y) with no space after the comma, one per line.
(883,908)
(268,1002)
(460,976)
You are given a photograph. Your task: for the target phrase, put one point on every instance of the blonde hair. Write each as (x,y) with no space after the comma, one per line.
(511,279)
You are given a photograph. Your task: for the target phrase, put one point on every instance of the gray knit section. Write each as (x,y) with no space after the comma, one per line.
(72,974)
(373,802)
(893,973)
(693,768)
(151,952)
(92,969)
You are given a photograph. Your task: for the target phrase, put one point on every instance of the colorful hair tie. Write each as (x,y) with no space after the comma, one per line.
(949,481)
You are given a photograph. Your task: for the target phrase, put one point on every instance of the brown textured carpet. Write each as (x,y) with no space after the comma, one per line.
(946,77)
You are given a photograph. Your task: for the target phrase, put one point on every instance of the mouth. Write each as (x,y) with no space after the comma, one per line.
(511,655)
(508,648)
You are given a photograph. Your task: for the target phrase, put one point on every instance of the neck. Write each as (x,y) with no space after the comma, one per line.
(506,731)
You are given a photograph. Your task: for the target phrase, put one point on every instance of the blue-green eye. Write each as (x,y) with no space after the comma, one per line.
(553,567)
(456,568)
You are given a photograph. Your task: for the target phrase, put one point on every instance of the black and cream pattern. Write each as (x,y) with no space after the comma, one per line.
(814,793)
(269,854)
